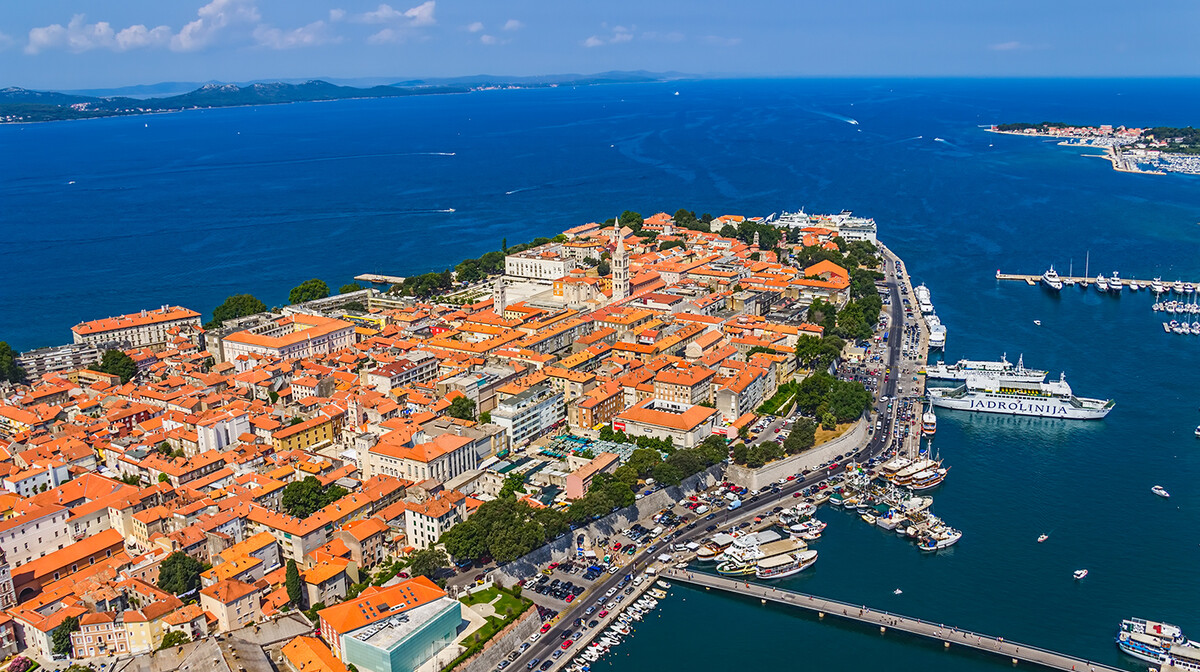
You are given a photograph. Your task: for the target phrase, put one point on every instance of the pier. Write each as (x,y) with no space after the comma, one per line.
(885,621)
(377,279)
(1082,281)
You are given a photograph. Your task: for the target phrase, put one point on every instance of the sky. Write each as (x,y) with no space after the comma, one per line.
(79,44)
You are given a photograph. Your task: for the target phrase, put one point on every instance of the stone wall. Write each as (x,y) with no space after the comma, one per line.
(502,643)
(756,479)
(527,566)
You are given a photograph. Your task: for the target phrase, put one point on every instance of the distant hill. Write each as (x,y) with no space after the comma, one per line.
(19,105)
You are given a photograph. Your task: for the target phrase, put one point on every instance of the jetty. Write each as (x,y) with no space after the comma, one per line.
(378,279)
(885,621)
(1080,280)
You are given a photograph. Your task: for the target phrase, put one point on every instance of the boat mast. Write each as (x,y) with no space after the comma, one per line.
(1086,262)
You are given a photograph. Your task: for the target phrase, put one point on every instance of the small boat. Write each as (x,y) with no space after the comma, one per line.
(1080,573)
(1198,431)
(662,584)
(897,592)
(1160,491)
(1038,322)
(1043,537)
(868,518)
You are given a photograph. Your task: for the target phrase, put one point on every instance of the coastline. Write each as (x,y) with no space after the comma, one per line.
(1112,152)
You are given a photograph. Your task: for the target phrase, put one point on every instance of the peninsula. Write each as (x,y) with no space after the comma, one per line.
(1155,151)
(18,105)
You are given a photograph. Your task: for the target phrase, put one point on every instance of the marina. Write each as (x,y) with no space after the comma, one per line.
(1157,285)
(950,637)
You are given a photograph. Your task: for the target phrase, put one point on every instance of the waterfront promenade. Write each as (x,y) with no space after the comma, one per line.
(887,621)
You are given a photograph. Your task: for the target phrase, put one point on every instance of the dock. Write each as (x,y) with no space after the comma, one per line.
(885,621)
(378,279)
(1084,282)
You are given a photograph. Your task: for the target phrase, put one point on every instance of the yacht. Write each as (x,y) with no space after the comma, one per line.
(1115,284)
(989,394)
(936,540)
(1080,573)
(1156,286)
(1043,537)
(1134,286)
(1050,280)
(937,331)
(1188,288)
(1149,640)
(785,565)
(1178,286)
(922,295)
(1101,283)
(1160,491)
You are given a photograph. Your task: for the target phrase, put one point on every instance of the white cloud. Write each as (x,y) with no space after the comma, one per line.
(621,37)
(513,24)
(421,15)
(312,35)
(1008,46)
(475,27)
(593,41)
(336,15)
(138,36)
(211,20)
(79,36)
(489,40)
(619,34)
(385,36)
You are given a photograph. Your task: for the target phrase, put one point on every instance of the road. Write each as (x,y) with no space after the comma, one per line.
(877,445)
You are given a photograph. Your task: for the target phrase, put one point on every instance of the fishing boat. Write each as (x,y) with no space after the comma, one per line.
(786,565)
(1160,491)
(929,422)
(1043,537)
(1149,640)
(1080,573)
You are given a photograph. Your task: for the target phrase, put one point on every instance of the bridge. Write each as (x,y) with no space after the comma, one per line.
(885,621)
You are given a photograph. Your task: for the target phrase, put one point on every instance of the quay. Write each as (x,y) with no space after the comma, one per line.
(1080,280)
(376,278)
(885,621)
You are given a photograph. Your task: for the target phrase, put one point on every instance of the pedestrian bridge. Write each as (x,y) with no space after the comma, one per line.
(999,646)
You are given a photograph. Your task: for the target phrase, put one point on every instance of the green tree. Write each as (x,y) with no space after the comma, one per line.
(485,417)
(603,268)
(667,474)
(292,580)
(9,369)
(309,290)
(174,638)
(180,573)
(802,437)
(60,637)
(461,408)
(116,363)
(631,219)
(643,461)
(513,483)
(350,287)
(828,421)
(305,497)
(238,305)
(469,271)
(163,478)
(427,562)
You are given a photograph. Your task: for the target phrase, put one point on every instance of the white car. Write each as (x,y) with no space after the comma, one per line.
(535,636)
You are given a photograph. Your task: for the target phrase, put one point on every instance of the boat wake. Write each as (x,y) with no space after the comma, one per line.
(839,117)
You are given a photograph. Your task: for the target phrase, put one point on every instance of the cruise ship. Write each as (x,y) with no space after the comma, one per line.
(1051,280)
(1149,640)
(990,394)
(923,302)
(1005,369)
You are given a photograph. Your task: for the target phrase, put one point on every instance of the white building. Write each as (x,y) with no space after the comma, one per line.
(545,262)
(415,367)
(41,475)
(442,458)
(137,330)
(530,414)
(40,530)
(222,429)
(426,522)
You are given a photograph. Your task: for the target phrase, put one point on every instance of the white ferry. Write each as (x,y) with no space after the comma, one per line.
(785,565)
(927,479)
(937,331)
(1149,640)
(1051,280)
(1003,368)
(990,394)
(922,295)
(929,423)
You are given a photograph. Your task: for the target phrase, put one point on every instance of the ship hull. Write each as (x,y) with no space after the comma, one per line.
(1042,409)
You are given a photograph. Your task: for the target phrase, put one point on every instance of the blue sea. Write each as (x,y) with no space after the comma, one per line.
(110,216)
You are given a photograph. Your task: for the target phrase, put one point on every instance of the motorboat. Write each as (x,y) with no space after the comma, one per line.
(936,540)
(1115,284)
(868,518)
(1198,431)
(1178,287)
(1080,573)
(1043,537)
(1160,491)
(1038,322)
(1156,286)
(1101,283)
(1051,280)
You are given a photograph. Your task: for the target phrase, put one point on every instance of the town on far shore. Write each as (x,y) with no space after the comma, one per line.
(1155,151)
(367,479)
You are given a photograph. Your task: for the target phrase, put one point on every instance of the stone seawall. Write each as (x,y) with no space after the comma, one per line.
(502,643)
(756,479)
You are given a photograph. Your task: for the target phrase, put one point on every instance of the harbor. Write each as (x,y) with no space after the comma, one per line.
(885,621)
(379,279)
(1155,285)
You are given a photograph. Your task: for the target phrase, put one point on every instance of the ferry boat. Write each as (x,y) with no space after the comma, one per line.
(1180,659)
(1003,368)
(1115,284)
(928,479)
(922,295)
(1051,280)
(989,394)
(1149,640)
(929,422)
(894,465)
(785,565)
(937,331)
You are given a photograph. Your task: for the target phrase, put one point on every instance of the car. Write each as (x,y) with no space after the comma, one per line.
(795,494)
(546,665)
(570,598)
(576,636)
(524,648)
(503,664)
(537,635)
(603,613)
(610,592)
(545,628)
(567,644)
(556,655)
(791,478)
(531,664)
(514,655)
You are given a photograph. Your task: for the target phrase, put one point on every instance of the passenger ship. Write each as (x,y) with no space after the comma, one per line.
(990,394)
(785,565)
(1149,640)
(1003,368)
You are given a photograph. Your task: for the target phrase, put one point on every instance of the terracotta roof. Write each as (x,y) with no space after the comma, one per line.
(229,590)
(378,603)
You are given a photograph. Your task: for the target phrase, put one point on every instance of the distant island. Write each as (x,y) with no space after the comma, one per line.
(19,106)
(1155,151)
